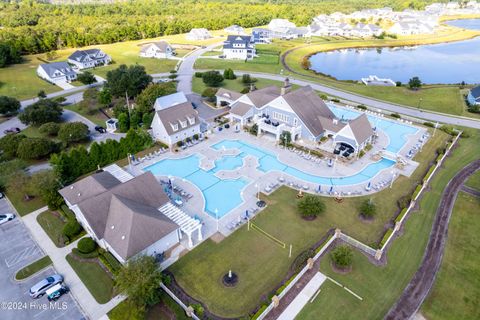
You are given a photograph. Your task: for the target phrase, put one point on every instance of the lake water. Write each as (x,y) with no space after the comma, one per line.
(452,62)
(472,24)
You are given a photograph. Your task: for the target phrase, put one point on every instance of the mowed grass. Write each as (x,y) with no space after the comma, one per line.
(456,292)
(52,223)
(236,84)
(98,117)
(23,206)
(474,181)
(261,264)
(33,268)
(380,287)
(97,281)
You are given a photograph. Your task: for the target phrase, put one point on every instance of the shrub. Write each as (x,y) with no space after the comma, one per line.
(110,261)
(212,78)
(254,130)
(86,245)
(9,144)
(342,256)
(465,134)
(301,259)
(259,312)
(86,77)
(34,148)
(385,237)
(362,107)
(395,115)
(198,74)
(209,93)
(368,147)
(71,229)
(229,74)
(41,112)
(246,79)
(400,216)
(417,191)
(179,143)
(73,132)
(9,105)
(404,202)
(89,255)
(368,209)
(245,90)
(428,124)
(310,206)
(323,96)
(198,310)
(335,100)
(361,153)
(49,128)
(448,129)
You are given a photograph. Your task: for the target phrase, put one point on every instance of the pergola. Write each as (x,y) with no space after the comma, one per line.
(188,225)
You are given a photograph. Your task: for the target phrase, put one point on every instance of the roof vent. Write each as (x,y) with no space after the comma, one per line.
(123,237)
(79,194)
(112,227)
(71,187)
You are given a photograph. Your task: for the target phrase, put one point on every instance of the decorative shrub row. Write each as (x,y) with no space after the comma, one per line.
(90,255)
(417,191)
(429,173)
(259,312)
(385,237)
(112,264)
(401,215)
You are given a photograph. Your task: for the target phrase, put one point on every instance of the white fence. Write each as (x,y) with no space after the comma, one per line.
(357,244)
(180,303)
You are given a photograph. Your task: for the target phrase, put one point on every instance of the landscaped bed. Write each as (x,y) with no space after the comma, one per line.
(33,268)
(262,264)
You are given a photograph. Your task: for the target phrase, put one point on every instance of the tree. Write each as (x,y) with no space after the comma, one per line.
(210,93)
(310,206)
(86,77)
(9,144)
(368,209)
(34,148)
(90,102)
(212,78)
(146,99)
(123,122)
(73,132)
(49,128)
(41,112)
(71,229)
(147,119)
(41,94)
(18,183)
(247,79)
(105,97)
(46,184)
(140,280)
(8,105)
(285,138)
(229,74)
(130,80)
(414,83)
(9,54)
(342,256)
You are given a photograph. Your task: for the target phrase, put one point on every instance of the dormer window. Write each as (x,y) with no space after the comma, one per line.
(191,120)
(183,124)
(174,126)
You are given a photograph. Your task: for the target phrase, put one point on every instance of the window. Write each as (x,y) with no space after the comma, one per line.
(174,126)
(280,116)
(191,121)
(183,124)
(295,122)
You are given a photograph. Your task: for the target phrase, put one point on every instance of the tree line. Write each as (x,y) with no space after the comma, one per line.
(32,27)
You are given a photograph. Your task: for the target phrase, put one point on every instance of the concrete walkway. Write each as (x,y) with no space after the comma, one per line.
(92,309)
(303,297)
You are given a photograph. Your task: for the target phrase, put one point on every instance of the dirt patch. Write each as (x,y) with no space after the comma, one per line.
(340,270)
(309,218)
(366,219)
(217,237)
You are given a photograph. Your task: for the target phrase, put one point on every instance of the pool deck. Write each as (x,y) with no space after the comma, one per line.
(260,181)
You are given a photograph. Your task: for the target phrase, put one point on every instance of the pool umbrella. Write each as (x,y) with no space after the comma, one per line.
(369,186)
(331,189)
(319,188)
(246,214)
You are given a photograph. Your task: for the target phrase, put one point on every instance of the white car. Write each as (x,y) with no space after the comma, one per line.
(5,217)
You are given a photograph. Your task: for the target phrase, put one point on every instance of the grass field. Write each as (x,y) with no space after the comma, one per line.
(33,268)
(456,292)
(261,264)
(23,206)
(236,85)
(381,286)
(97,281)
(52,223)
(474,181)
(98,117)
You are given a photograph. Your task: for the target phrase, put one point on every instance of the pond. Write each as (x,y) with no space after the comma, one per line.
(452,62)
(472,24)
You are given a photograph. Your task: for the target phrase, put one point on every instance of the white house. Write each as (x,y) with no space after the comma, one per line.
(84,59)
(473,97)
(56,72)
(123,213)
(239,47)
(174,120)
(234,29)
(281,25)
(158,50)
(198,34)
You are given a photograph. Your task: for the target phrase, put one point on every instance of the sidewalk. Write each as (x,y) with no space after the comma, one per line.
(92,309)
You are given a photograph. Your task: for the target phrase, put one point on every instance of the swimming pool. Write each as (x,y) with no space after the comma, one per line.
(396,132)
(223,195)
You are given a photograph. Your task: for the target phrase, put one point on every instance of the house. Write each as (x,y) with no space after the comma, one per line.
(473,96)
(234,29)
(198,34)
(262,35)
(239,47)
(56,72)
(175,119)
(123,214)
(226,97)
(281,25)
(302,113)
(158,50)
(84,59)
(403,28)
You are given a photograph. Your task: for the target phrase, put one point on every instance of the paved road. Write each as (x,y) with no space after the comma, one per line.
(18,249)
(421,283)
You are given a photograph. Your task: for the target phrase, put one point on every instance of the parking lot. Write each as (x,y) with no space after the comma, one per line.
(18,249)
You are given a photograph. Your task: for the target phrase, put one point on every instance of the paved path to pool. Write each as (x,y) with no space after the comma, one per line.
(303,297)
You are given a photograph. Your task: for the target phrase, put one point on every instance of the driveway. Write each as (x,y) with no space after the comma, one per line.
(205,112)
(18,249)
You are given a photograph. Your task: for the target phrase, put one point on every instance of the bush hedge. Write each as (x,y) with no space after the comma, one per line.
(82,255)
(417,191)
(110,262)
(385,237)
(86,245)
(259,312)
(71,229)
(400,216)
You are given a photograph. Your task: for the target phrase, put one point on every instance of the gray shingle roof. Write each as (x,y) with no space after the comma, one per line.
(475,92)
(263,96)
(81,55)
(51,68)
(229,94)
(160,45)
(177,113)
(240,108)
(361,128)
(233,40)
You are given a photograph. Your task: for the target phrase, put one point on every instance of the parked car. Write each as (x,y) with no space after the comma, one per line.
(5,217)
(56,292)
(12,130)
(100,129)
(41,287)
(194,105)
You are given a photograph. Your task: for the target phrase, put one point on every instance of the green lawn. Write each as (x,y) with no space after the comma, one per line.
(53,223)
(97,281)
(33,268)
(24,206)
(98,117)
(381,286)
(261,264)
(456,293)
(474,181)
(207,64)
(235,85)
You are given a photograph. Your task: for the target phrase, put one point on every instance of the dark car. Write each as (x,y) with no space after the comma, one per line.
(100,129)
(194,105)
(12,130)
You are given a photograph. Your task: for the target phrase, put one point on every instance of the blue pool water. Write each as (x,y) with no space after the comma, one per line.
(396,132)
